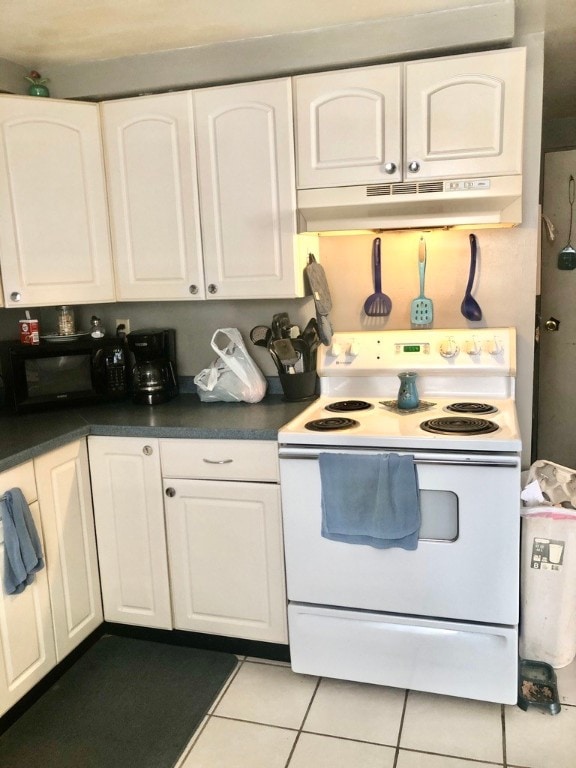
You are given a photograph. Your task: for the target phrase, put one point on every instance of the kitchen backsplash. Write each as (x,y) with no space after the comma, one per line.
(503,288)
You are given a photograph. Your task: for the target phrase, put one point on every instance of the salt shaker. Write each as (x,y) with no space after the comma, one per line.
(66,321)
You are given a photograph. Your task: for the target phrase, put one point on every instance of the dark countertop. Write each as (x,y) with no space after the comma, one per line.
(27,436)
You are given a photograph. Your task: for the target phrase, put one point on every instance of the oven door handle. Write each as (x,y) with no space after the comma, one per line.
(500,461)
(474,463)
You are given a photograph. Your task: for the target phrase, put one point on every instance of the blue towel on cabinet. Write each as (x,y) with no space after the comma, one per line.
(370,499)
(22,547)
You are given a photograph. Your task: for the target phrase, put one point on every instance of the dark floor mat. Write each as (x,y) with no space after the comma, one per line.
(125,704)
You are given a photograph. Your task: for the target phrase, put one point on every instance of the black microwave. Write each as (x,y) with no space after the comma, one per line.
(43,376)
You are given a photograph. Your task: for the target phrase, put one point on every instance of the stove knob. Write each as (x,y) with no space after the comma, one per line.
(495,347)
(449,348)
(335,349)
(472,347)
(354,349)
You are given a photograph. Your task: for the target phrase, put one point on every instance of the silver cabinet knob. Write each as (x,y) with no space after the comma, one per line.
(212,288)
(170,492)
(390,168)
(414,166)
(220,461)
(147,450)
(193,289)
(552,324)
(15,296)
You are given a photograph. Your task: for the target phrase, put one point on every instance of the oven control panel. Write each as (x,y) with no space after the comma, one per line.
(478,351)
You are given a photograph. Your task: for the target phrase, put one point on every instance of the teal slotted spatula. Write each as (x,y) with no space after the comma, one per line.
(421,309)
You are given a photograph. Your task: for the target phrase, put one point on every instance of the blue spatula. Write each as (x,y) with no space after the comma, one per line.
(421,309)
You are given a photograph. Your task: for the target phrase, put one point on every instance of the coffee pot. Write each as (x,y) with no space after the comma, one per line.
(153,365)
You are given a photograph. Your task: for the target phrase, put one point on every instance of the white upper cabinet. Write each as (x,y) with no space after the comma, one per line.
(216,220)
(54,237)
(245,147)
(153,197)
(349,126)
(438,118)
(464,115)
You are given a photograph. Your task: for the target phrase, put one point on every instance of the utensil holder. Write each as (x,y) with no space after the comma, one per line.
(299,386)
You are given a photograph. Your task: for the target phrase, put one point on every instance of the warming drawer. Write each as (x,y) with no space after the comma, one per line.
(472,661)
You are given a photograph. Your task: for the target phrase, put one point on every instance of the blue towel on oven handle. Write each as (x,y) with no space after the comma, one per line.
(22,546)
(370,499)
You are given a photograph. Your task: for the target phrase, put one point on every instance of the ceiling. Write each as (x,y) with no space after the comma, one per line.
(39,32)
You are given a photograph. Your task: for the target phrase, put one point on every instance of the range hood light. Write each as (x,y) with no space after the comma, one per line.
(444,228)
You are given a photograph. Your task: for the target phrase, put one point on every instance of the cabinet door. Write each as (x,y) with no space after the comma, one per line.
(247,190)
(348,127)
(226,558)
(129,516)
(27,650)
(465,114)
(65,501)
(152,189)
(54,238)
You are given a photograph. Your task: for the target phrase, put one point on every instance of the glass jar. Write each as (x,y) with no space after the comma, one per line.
(96,328)
(66,321)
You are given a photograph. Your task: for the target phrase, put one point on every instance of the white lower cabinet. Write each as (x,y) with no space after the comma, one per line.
(225,554)
(129,516)
(63,481)
(27,650)
(189,535)
(225,538)
(42,624)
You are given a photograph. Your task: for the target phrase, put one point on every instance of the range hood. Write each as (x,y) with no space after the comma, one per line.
(488,201)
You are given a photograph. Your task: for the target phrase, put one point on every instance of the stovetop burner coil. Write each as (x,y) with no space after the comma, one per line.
(331,424)
(452,425)
(343,406)
(476,408)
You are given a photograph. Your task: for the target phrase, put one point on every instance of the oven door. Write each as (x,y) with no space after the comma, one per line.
(466,566)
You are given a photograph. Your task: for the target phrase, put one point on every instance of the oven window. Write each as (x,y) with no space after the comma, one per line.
(439,511)
(54,375)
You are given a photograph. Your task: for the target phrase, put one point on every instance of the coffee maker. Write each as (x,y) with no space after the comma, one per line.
(153,365)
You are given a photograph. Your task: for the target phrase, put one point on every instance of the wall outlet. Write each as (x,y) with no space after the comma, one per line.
(125,323)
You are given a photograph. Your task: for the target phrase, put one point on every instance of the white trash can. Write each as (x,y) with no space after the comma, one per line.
(548,587)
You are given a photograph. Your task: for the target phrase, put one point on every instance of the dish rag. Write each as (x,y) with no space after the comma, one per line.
(22,547)
(373,500)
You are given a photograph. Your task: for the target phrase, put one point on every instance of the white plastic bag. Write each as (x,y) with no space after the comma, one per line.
(233,376)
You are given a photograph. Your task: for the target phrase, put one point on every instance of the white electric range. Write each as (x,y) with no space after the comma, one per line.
(444,617)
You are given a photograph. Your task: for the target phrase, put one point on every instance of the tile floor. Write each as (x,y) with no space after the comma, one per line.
(268,717)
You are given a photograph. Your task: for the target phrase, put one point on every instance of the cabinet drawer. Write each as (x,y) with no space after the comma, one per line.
(21,477)
(220,459)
